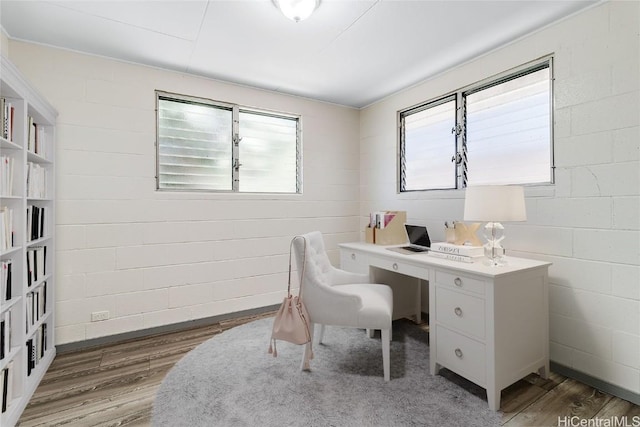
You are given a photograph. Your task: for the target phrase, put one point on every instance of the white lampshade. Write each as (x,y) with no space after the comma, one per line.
(297,10)
(494,203)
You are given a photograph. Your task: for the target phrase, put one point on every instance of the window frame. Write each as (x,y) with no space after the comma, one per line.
(236,162)
(402,142)
(460,120)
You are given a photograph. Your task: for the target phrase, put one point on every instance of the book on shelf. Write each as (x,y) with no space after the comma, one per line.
(6,277)
(6,228)
(36,264)
(35,222)
(453,249)
(5,334)
(3,103)
(36,348)
(7,173)
(3,339)
(42,336)
(36,181)
(7,111)
(29,355)
(36,305)
(6,386)
(36,140)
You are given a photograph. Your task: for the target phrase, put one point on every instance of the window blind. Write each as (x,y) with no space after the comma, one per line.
(508,131)
(428,145)
(268,153)
(194,146)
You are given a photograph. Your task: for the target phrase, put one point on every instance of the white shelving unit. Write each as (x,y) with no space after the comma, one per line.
(31,307)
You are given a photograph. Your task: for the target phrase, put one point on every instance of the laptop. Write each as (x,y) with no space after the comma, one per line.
(418,240)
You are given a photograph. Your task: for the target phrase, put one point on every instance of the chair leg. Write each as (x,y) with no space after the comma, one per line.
(307,347)
(321,334)
(386,344)
(371,332)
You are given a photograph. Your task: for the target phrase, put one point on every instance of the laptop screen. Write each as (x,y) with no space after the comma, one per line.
(418,235)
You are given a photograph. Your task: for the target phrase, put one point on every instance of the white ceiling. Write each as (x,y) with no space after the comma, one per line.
(349,52)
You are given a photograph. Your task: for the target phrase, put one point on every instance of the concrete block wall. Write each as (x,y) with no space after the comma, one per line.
(156,258)
(587,223)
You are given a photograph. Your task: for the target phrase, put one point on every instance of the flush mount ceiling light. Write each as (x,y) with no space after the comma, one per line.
(297,10)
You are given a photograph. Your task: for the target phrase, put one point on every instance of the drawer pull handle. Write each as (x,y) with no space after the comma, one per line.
(458,311)
(353,256)
(457,281)
(395,266)
(458,353)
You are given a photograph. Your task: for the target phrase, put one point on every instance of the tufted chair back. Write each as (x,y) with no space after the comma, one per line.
(325,304)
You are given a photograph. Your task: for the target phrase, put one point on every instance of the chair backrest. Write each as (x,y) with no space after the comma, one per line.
(317,271)
(325,304)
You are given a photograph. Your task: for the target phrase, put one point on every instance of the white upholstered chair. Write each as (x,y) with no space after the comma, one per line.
(337,297)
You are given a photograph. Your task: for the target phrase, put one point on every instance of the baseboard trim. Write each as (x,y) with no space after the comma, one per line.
(596,383)
(142,333)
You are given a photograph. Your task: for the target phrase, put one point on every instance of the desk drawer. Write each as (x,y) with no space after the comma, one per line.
(458,281)
(460,311)
(461,354)
(353,261)
(399,267)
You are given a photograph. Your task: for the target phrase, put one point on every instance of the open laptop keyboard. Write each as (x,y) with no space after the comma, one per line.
(412,249)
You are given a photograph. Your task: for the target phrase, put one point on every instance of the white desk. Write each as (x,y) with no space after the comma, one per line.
(487,324)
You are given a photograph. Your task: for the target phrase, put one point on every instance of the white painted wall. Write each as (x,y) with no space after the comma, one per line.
(155,258)
(4,43)
(588,223)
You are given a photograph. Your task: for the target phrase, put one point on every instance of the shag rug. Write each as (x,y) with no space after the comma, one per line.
(230,380)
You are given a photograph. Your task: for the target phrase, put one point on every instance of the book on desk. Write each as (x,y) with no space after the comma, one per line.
(462,253)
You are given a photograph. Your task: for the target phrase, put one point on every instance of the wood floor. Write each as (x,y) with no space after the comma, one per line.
(114,385)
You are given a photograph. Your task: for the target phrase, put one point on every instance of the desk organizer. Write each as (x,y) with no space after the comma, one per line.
(393,232)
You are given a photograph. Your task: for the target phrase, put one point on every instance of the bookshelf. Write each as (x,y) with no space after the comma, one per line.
(27,236)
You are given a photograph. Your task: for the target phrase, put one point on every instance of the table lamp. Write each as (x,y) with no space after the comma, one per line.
(494,204)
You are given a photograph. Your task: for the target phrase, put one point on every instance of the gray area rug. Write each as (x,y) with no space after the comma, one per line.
(230,380)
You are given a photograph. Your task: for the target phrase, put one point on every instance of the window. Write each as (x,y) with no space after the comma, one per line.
(428,146)
(494,132)
(213,146)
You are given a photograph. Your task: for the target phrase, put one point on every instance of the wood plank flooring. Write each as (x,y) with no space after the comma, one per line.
(114,385)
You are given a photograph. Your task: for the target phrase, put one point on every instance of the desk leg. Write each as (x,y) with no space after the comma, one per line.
(493,398)
(543,371)
(419,302)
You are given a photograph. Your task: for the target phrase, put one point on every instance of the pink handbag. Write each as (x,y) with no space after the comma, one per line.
(291,322)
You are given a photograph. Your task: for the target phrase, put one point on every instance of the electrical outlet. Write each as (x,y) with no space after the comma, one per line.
(97,316)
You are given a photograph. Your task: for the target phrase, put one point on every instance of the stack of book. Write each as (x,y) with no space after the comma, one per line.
(462,253)
(36,139)
(6,228)
(7,111)
(6,386)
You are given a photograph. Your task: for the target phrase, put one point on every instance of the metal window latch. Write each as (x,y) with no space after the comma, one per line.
(457,129)
(457,158)
(236,139)
(237,164)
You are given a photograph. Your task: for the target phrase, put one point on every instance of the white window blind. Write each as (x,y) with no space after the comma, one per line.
(194,146)
(268,153)
(508,131)
(428,147)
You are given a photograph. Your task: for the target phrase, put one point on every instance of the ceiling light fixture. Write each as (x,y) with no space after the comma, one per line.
(297,10)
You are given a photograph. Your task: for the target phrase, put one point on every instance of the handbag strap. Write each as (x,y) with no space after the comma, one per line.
(304,262)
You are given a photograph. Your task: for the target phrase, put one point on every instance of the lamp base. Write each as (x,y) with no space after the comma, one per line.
(493,250)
